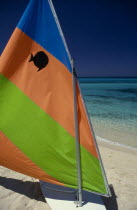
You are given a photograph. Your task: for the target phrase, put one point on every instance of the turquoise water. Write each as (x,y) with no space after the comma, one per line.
(112,106)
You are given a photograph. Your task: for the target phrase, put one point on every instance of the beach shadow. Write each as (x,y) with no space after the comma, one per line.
(27,188)
(111,203)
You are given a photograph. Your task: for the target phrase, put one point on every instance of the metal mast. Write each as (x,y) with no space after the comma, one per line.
(78,156)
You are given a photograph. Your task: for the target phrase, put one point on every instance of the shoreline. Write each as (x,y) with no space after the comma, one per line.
(114,135)
(115,145)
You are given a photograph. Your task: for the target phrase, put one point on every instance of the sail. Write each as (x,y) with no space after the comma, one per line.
(37,131)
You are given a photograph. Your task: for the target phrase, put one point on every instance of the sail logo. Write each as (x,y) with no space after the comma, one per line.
(40,60)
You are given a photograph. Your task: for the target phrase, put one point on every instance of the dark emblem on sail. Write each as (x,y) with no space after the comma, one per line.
(40,60)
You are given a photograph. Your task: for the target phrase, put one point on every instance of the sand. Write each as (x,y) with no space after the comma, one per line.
(21,192)
(121,170)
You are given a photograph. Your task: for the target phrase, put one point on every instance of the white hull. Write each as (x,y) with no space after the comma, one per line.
(67,201)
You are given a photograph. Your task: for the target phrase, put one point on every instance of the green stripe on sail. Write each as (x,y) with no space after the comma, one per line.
(92,178)
(45,141)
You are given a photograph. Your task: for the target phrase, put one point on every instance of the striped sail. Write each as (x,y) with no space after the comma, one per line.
(37,132)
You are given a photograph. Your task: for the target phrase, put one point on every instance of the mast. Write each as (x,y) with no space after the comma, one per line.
(77,139)
(75,107)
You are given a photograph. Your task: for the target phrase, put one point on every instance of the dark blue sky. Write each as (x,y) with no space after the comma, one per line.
(101,34)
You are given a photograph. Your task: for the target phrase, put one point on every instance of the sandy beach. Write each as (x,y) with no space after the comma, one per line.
(21,192)
(120,165)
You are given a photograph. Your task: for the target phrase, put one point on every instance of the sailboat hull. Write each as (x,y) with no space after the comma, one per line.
(59,198)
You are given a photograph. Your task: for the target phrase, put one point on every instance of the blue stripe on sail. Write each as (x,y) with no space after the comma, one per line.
(39,24)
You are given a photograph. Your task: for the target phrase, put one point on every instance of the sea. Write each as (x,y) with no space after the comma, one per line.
(112,108)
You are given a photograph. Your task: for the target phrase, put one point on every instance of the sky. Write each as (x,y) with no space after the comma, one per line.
(101,34)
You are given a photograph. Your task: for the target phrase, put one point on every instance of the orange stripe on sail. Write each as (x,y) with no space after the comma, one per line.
(84,126)
(51,88)
(11,157)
